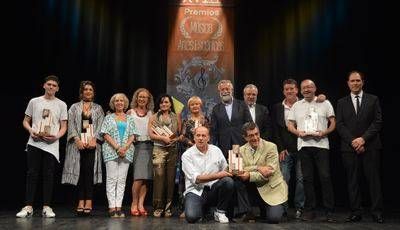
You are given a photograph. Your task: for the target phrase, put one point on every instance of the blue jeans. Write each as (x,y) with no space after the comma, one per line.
(220,193)
(287,166)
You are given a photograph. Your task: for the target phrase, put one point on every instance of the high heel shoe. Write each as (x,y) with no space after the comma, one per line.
(143,212)
(135,212)
(87,211)
(79,211)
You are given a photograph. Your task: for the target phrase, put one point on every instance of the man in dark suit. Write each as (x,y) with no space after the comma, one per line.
(359,122)
(259,113)
(287,143)
(227,119)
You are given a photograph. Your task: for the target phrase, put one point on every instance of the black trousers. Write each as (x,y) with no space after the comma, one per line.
(366,164)
(312,157)
(85,182)
(39,160)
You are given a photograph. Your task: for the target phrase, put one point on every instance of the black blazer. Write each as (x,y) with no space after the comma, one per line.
(367,123)
(282,137)
(263,122)
(225,133)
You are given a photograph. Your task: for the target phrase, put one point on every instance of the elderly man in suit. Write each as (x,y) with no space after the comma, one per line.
(359,120)
(227,118)
(262,178)
(259,113)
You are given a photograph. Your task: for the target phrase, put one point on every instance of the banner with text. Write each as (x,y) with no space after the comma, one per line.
(200,49)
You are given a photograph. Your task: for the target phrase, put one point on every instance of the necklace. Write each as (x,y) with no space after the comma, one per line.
(140,114)
(86,108)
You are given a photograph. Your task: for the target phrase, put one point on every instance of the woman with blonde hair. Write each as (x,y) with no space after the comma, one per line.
(142,105)
(119,131)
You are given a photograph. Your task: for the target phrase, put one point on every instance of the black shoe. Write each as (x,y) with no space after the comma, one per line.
(353,218)
(248,218)
(243,218)
(378,218)
(330,218)
(308,216)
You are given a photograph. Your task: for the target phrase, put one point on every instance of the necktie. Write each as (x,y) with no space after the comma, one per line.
(358,104)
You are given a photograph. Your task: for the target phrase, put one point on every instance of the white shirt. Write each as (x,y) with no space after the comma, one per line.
(252,109)
(141,125)
(196,163)
(300,111)
(57,112)
(286,110)
(354,99)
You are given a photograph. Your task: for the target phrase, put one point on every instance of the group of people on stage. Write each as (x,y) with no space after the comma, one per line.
(293,137)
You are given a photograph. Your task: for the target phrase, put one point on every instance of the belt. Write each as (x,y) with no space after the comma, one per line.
(143,138)
(142,142)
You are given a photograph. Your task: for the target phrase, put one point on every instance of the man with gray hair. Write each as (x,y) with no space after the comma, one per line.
(227,118)
(259,113)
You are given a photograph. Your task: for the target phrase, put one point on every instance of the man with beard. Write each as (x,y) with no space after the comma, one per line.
(309,120)
(227,119)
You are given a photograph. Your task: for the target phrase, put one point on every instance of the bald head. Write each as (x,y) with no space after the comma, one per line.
(201,138)
(308,89)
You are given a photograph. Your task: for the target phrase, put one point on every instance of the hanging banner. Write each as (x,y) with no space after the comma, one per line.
(200,49)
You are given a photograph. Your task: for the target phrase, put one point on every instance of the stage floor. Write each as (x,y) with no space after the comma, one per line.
(99,220)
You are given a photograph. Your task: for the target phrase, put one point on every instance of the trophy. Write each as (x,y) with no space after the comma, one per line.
(311,122)
(162,130)
(45,124)
(235,160)
(88,134)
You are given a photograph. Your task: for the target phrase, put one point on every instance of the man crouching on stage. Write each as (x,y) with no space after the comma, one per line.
(207,183)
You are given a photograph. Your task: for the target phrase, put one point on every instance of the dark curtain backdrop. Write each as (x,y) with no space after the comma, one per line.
(121,45)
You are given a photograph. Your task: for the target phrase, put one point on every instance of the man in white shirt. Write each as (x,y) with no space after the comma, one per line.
(46,121)
(206,179)
(313,146)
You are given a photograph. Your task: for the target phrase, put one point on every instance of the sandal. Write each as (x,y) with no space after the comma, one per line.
(158,213)
(143,212)
(168,213)
(135,212)
(87,211)
(79,211)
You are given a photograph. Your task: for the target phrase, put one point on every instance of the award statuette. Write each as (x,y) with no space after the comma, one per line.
(45,124)
(88,134)
(162,130)
(311,122)
(235,160)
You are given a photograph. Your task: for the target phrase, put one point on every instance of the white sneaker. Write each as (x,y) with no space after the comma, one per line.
(26,211)
(220,217)
(48,212)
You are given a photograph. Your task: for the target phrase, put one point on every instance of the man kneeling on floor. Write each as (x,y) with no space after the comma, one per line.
(262,178)
(206,179)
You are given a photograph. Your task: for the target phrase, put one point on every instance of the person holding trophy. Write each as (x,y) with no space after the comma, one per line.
(163,129)
(259,177)
(311,122)
(46,121)
(82,165)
